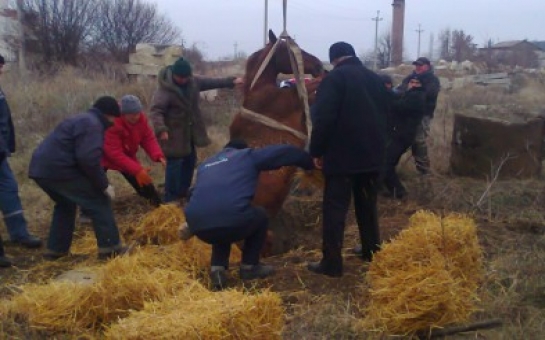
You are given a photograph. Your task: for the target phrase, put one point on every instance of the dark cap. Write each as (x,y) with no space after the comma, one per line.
(422,61)
(341,49)
(182,68)
(108,106)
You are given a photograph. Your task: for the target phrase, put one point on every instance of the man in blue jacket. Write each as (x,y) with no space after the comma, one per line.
(10,203)
(66,165)
(348,142)
(220,210)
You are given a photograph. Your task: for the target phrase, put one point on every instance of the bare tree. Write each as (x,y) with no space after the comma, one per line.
(196,57)
(121,24)
(445,45)
(463,47)
(384,50)
(59,28)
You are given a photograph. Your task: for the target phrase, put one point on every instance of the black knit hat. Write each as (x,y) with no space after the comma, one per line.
(386,78)
(341,49)
(237,144)
(182,68)
(107,105)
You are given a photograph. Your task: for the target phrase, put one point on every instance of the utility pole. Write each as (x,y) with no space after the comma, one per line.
(376,19)
(21,27)
(419,31)
(266,22)
(432,41)
(235,56)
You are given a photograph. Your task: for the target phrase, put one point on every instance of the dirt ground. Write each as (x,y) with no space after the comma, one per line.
(320,307)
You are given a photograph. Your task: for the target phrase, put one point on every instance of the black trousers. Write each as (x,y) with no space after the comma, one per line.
(336,202)
(253,232)
(396,149)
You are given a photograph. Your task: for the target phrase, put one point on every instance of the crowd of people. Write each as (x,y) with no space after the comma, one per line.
(362,125)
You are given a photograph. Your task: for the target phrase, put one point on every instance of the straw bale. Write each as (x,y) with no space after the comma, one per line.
(161,225)
(224,315)
(57,306)
(122,285)
(427,277)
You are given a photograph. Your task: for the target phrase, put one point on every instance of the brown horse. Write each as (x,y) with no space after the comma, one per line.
(280,105)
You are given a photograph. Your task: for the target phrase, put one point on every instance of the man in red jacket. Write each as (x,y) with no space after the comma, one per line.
(121,142)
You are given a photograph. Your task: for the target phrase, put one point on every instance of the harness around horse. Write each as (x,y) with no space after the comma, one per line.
(296,60)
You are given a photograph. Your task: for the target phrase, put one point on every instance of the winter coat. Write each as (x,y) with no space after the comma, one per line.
(121,143)
(407,111)
(226,184)
(431,85)
(7,132)
(73,150)
(349,124)
(175,109)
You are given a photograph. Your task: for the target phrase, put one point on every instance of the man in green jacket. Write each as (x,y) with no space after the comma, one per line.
(178,122)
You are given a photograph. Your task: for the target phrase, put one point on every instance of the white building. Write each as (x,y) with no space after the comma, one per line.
(9,30)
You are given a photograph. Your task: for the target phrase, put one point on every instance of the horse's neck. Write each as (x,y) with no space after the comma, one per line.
(264,98)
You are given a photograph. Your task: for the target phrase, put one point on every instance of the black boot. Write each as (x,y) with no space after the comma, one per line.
(218,279)
(253,272)
(323,268)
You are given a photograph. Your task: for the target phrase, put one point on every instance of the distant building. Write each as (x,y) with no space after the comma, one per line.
(515,53)
(9,31)
(149,59)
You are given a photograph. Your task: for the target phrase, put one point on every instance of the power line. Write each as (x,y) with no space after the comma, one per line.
(376,19)
(419,31)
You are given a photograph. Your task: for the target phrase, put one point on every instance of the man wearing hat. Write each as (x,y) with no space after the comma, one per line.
(432,86)
(10,202)
(178,122)
(121,143)
(66,165)
(348,143)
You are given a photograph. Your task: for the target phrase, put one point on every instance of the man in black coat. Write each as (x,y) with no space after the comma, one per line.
(10,202)
(66,165)
(348,143)
(220,209)
(423,68)
(407,110)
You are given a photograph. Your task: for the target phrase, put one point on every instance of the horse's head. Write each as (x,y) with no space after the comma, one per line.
(280,61)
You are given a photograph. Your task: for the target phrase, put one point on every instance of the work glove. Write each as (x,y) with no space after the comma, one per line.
(110,192)
(143,178)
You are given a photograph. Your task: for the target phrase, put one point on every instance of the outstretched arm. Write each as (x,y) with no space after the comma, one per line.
(276,156)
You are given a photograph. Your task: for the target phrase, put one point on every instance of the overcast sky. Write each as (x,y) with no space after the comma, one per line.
(217,25)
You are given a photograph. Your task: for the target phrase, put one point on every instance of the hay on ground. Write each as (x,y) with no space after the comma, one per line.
(160,226)
(152,273)
(122,285)
(224,315)
(427,277)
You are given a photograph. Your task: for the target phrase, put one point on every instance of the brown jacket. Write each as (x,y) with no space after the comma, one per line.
(177,112)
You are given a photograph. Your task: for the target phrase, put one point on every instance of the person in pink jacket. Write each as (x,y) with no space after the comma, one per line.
(121,143)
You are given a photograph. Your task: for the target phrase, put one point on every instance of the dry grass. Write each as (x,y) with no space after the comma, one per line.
(510,219)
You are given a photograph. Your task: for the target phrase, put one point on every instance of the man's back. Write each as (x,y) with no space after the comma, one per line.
(226,183)
(349,122)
